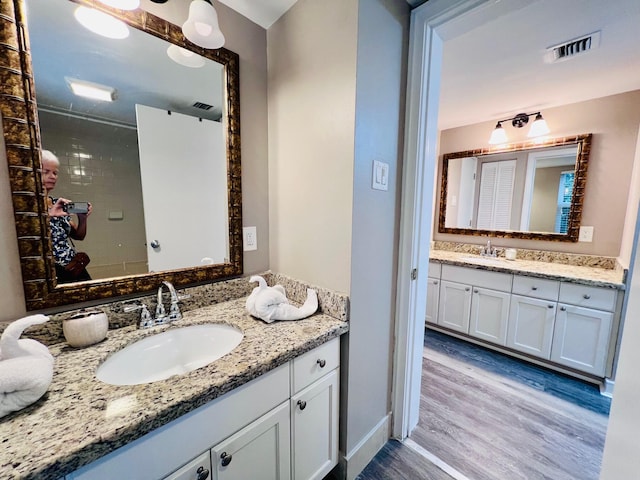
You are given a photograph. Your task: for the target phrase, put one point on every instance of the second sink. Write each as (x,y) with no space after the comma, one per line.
(169,353)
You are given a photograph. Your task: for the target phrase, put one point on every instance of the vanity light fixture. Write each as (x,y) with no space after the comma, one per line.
(539,127)
(185,57)
(122,4)
(95,91)
(101,23)
(202,26)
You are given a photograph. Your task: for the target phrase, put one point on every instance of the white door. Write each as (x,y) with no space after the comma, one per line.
(489,315)
(531,322)
(581,338)
(455,306)
(184,194)
(261,450)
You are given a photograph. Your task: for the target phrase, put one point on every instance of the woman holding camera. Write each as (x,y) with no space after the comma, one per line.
(70,265)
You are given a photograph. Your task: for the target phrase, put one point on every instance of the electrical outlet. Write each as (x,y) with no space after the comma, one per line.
(586,234)
(249,239)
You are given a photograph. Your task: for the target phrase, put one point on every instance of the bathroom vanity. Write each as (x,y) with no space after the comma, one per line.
(269,405)
(560,316)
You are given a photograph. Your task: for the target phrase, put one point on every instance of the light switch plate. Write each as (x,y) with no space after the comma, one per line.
(586,234)
(249,239)
(380,176)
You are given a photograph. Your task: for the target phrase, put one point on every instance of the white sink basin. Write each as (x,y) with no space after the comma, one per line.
(484,260)
(169,353)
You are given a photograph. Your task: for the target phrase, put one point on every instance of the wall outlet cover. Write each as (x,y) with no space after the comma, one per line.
(586,234)
(249,239)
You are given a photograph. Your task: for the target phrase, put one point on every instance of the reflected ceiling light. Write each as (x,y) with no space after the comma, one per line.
(538,127)
(202,26)
(101,23)
(185,57)
(95,91)
(122,4)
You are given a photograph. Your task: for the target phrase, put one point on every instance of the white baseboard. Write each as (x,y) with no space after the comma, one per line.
(359,457)
(606,388)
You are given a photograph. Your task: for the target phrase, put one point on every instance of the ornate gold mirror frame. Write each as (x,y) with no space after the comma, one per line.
(583,143)
(22,138)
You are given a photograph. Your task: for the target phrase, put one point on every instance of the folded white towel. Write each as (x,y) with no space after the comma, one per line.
(270,303)
(26,366)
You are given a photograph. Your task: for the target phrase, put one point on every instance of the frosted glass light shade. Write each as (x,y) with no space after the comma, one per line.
(202,26)
(122,4)
(101,23)
(538,128)
(185,57)
(498,136)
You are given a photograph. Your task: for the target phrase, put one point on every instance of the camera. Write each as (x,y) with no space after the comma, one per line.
(76,207)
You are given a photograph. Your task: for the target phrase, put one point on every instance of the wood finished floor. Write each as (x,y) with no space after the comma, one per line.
(492,417)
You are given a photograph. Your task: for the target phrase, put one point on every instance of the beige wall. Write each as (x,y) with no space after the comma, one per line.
(312,75)
(249,41)
(614,121)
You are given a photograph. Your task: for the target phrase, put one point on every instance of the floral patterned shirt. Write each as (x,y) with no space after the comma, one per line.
(63,250)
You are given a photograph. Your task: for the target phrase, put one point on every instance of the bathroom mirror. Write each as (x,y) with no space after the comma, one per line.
(30,114)
(532,190)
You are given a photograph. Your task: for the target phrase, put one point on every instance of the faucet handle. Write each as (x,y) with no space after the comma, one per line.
(145,315)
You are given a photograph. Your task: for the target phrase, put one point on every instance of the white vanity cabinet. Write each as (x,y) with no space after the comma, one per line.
(583,327)
(282,425)
(314,412)
(532,315)
(475,301)
(433,292)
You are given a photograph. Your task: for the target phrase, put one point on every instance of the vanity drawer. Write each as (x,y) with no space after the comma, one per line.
(309,367)
(477,277)
(590,297)
(536,287)
(434,269)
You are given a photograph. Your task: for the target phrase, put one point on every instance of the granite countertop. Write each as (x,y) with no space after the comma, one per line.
(599,277)
(81,419)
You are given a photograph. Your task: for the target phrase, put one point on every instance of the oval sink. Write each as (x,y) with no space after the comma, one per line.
(169,353)
(484,260)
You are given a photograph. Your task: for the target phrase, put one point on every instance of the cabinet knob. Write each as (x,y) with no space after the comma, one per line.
(475,291)
(564,309)
(202,473)
(321,362)
(467,289)
(302,404)
(534,288)
(586,297)
(549,306)
(226,459)
(435,282)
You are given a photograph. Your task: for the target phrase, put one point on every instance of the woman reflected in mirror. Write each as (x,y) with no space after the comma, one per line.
(69,263)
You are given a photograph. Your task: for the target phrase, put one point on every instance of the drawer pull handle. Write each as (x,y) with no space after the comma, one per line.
(586,297)
(321,362)
(534,288)
(202,473)
(302,404)
(564,309)
(226,459)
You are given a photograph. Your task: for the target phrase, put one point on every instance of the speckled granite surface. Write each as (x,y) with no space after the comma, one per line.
(69,427)
(585,275)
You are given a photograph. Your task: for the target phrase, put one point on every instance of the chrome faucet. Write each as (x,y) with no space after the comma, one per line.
(174,309)
(488,250)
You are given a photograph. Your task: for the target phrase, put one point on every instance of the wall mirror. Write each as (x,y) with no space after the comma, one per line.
(527,190)
(164,154)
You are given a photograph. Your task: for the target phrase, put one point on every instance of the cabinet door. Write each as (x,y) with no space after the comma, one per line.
(581,338)
(314,429)
(197,469)
(433,295)
(455,306)
(260,451)
(489,315)
(531,322)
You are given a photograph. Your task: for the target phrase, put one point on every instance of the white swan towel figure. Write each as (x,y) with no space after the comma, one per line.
(270,303)
(26,366)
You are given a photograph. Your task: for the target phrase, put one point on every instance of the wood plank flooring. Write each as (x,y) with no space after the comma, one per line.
(492,417)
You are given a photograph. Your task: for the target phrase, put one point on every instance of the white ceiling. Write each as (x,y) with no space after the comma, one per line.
(262,12)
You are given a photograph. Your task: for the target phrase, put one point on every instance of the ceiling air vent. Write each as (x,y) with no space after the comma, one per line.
(202,106)
(571,48)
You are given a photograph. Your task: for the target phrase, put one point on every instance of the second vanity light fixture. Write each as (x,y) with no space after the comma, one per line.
(538,127)
(201,28)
